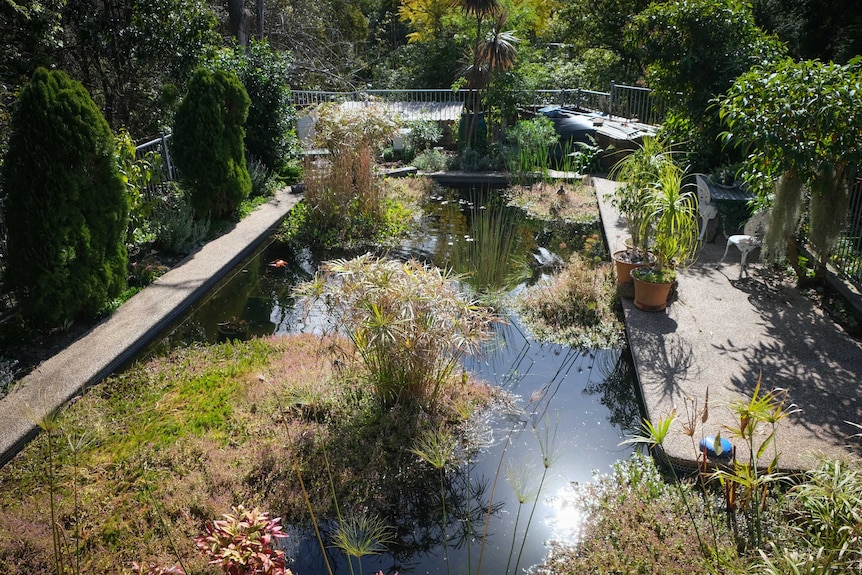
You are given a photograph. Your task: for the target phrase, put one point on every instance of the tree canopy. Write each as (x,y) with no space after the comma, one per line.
(802,121)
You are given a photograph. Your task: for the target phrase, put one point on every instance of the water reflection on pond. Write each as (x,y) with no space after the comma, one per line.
(569,408)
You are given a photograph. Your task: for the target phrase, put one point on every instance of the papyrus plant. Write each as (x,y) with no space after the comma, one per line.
(409,323)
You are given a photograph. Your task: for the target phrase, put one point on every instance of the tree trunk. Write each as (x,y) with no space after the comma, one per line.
(237,21)
(260,19)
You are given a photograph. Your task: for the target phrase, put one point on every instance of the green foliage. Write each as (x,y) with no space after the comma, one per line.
(208,143)
(747,484)
(638,172)
(672,215)
(661,213)
(487,258)
(262,182)
(408,323)
(270,137)
(696,48)
(825,512)
(132,55)
(422,134)
(534,139)
(174,224)
(430,161)
(801,119)
(601,24)
(825,30)
(66,207)
(136,174)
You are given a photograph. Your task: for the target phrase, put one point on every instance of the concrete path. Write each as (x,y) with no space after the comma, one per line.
(721,334)
(114,341)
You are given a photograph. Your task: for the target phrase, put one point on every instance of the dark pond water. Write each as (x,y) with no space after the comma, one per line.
(570,408)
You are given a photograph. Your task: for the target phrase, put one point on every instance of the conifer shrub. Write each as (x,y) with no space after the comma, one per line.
(208,143)
(66,205)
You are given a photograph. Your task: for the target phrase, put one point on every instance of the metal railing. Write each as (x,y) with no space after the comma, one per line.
(629,102)
(848,252)
(158,152)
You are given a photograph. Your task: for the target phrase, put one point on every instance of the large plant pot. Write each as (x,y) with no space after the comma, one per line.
(624,265)
(651,296)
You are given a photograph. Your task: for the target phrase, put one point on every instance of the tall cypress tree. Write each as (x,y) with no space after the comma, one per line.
(66,206)
(208,142)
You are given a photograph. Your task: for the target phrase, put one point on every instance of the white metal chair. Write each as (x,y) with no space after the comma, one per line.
(707,209)
(750,239)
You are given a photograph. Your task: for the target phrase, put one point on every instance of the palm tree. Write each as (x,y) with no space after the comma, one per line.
(496,51)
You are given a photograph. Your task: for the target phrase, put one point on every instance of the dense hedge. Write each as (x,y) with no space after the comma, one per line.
(208,143)
(66,208)
(269,134)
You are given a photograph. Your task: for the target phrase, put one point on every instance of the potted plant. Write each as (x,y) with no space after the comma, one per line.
(672,215)
(638,171)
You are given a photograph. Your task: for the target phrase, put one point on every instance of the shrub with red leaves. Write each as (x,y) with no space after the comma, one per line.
(242,543)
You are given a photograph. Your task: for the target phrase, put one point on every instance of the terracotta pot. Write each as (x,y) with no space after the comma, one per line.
(624,267)
(651,296)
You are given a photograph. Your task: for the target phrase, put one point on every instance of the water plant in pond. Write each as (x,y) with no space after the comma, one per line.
(556,202)
(345,197)
(360,535)
(533,140)
(577,306)
(486,256)
(408,322)
(437,448)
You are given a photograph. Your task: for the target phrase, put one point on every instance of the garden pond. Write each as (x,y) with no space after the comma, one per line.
(572,408)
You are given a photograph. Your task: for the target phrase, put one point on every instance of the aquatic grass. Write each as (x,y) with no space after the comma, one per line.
(534,139)
(437,447)
(518,479)
(486,255)
(361,535)
(550,452)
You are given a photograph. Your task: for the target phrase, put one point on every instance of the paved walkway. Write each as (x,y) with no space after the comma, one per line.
(113,342)
(721,333)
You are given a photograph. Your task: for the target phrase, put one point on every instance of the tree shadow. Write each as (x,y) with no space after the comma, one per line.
(803,351)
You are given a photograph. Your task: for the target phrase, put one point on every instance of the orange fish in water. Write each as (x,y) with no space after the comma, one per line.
(277,264)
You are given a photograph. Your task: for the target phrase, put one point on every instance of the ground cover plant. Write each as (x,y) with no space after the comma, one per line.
(140,464)
(578,304)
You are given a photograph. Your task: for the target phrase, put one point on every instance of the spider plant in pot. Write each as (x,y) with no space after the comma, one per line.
(672,215)
(638,171)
